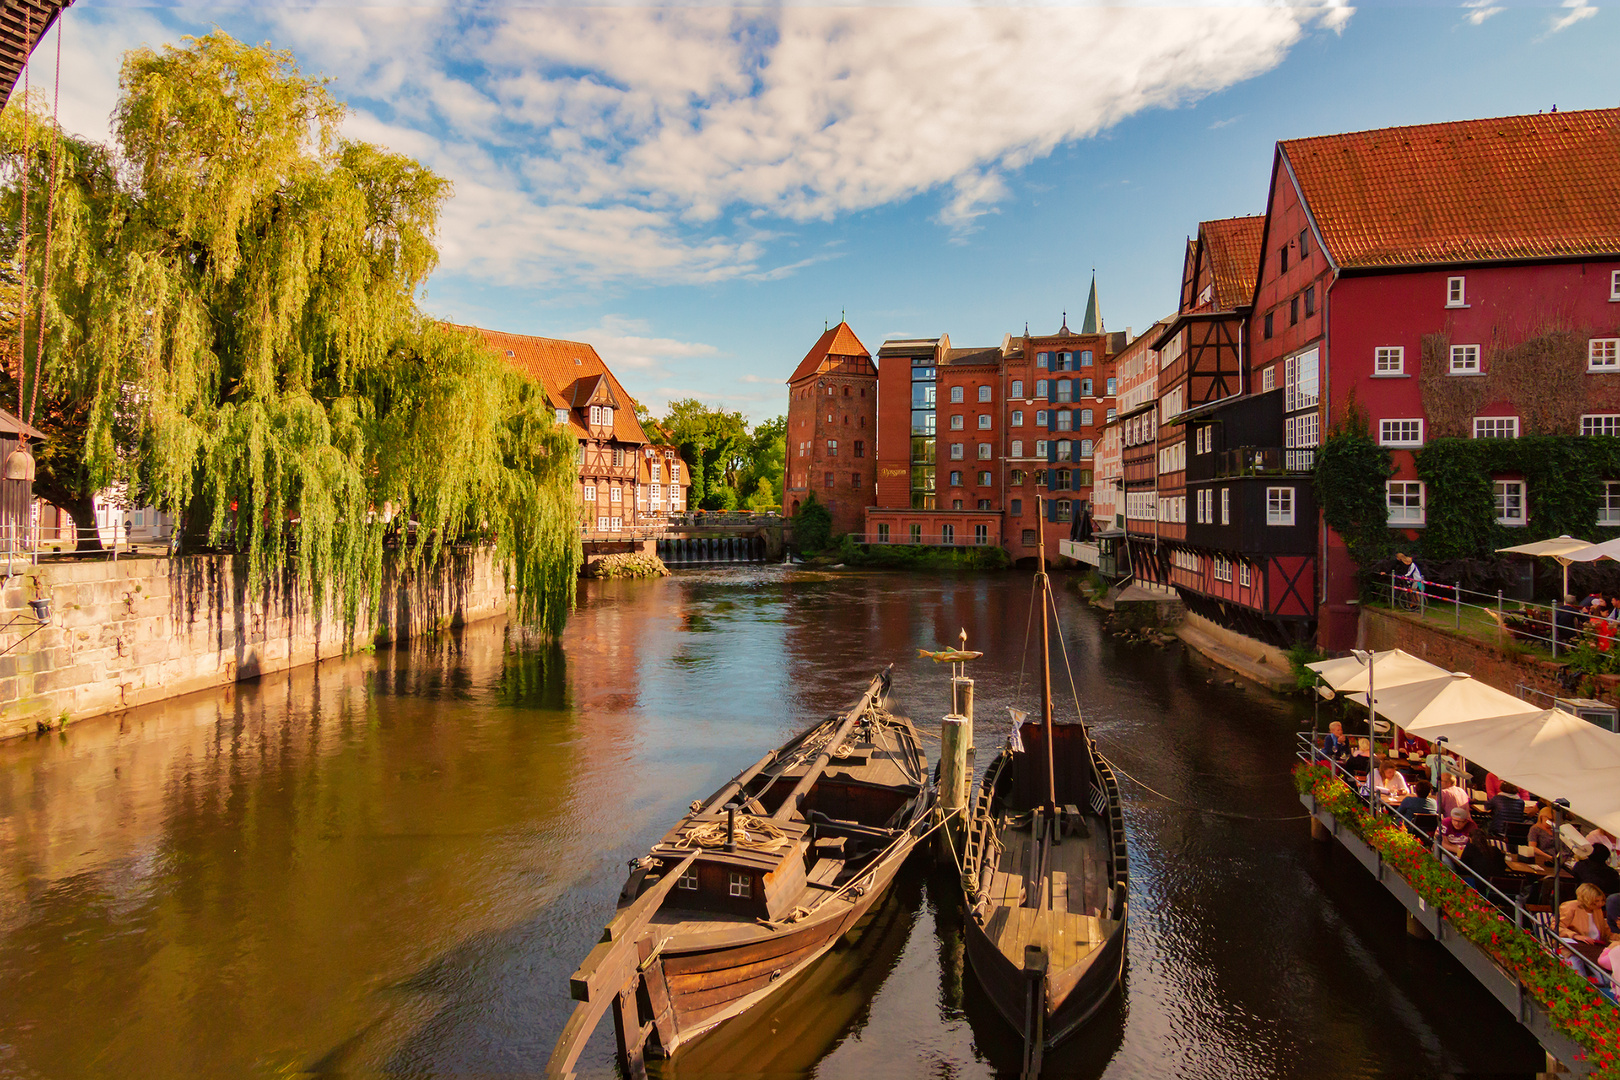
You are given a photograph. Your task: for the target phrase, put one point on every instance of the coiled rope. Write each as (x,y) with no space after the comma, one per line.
(753,833)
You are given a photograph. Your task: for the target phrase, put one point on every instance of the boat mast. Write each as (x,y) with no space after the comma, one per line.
(1046,658)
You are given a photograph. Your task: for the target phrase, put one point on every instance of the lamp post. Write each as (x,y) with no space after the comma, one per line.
(1366,657)
(1434,782)
(1558,862)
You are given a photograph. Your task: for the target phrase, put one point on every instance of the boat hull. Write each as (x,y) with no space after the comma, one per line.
(1070,1003)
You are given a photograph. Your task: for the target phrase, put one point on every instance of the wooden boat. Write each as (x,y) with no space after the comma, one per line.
(754,884)
(1045,875)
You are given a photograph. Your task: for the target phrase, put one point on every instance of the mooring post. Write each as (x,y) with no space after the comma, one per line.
(954,734)
(1319,831)
(731,826)
(962,705)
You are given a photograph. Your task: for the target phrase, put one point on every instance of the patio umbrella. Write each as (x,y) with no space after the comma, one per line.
(1393,667)
(1456,698)
(1560,548)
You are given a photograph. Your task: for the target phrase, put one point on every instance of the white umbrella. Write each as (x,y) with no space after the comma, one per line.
(1456,698)
(1394,667)
(1562,549)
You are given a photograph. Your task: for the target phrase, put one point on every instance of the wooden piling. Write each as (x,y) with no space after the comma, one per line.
(955,732)
(1319,831)
(1415,928)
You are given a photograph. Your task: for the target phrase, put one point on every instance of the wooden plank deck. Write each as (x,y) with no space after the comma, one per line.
(1071,926)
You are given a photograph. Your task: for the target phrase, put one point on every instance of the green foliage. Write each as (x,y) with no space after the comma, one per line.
(1351,469)
(926,557)
(233,332)
(1301,654)
(812,526)
(731,467)
(1563,475)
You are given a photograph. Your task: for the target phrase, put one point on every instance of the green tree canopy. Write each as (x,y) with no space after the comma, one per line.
(233,331)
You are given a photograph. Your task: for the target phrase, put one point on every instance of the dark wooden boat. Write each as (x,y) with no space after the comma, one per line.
(754,884)
(1045,876)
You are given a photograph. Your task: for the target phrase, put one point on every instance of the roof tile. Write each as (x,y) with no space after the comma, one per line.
(1233,248)
(839,341)
(566,369)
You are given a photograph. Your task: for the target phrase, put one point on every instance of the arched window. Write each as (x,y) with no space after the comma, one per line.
(1018,388)
(1040,388)
(956,393)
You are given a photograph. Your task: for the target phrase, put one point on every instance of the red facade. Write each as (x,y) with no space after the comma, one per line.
(832,429)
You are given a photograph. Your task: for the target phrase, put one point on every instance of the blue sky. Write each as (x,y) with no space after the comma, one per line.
(695,190)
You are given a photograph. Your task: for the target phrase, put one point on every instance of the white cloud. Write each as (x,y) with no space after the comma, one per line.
(598,144)
(1479,11)
(1574,12)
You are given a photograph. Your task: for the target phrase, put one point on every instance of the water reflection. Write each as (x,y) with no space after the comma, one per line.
(389,866)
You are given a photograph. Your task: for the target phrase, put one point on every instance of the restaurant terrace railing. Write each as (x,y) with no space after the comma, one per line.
(1539,921)
(1263,461)
(1523,621)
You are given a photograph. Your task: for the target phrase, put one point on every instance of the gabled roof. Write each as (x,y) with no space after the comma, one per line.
(563,367)
(1232,246)
(839,341)
(977,355)
(1515,187)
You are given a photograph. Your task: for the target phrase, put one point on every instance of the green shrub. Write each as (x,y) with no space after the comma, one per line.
(1301,654)
(812,526)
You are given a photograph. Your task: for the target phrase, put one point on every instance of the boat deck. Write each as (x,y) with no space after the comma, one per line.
(1069,924)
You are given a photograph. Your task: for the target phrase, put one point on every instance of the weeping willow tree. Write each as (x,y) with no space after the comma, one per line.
(233,331)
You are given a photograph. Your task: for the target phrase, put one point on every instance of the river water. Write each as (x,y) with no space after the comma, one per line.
(389,865)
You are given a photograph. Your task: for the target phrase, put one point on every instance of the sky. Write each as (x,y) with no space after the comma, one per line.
(698,191)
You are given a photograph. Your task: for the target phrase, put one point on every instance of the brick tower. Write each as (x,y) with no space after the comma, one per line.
(832,429)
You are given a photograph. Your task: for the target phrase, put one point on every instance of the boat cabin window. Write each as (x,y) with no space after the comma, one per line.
(688,880)
(742,884)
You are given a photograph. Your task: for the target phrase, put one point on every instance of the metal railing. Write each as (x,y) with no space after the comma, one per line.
(1521,620)
(33,542)
(960,538)
(1541,925)
(709,518)
(1263,461)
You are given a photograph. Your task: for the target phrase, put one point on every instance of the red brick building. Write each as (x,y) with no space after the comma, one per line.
(832,429)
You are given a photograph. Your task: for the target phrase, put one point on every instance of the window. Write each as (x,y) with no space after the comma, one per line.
(832,447)
(1060,479)
(1065,361)
(1405,501)
(1614,284)
(984,478)
(615,494)
(956,423)
(956,451)
(1243,574)
(1065,420)
(1111,412)
(590,493)
(1226,505)
(1400,432)
(985,451)
(1085,388)
(1018,388)
(981,533)
(1600,424)
(1454,292)
(883,532)
(1040,448)
(1017,480)
(1603,354)
(1304,244)
(1065,510)
(596,414)
(1279,505)
(1065,450)
(1268,325)
(1086,447)
(618,451)
(984,421)
(1609,503)
(562,416)
(956,479)
(1293,311)
(1310,305)
(956,394)
(1018,418)
(1496,427)
(1085,417)
(1016,507)
(1028,538)
(855,479)
(827,481)
(1299,382)
(602,524)
(1389,360)
(829,418)
(860,448)
(1043,360)
(688,880)
(1223,568)
(947,533)
(984,393)
(1465,360)
(1268,378)
(675,473)
(1040,418)
(916,534)
(1509,496)
(1085,358)
(1282,257)
(1040,389)
(741,884)
(1065,390)
(1040,477)
(1018,448)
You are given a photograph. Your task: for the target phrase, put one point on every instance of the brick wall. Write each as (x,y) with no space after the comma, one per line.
(1389,630)
(139,630)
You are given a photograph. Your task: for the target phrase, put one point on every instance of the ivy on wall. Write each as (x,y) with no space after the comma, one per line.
(1544,376)
(1563,477)
(1350,472)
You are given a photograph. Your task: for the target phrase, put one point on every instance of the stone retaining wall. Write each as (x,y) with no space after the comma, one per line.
(1381,629)
(138,630)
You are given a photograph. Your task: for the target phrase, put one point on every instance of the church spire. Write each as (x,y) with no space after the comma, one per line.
(1093,322)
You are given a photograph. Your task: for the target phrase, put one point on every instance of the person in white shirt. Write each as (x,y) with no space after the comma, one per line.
(1391,783)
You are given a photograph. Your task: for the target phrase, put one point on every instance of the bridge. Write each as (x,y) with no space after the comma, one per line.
(698,537)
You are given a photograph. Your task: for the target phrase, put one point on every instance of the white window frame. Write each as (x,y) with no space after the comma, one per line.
(1017,388)
(957,423)
(1464,360)
(1399,431)
(1268,379)
(984,421)
(1614,286)
(956,395)
(985,451)
(956,451)
(1456,292)
(1600,424)
(688,880)
(1243,574)
(1017,418)
(1226,506)
(1280,506)
(1485,427)
(984,393)
(1609,503)
(1018,448)
(1501,492)
(590,493)
(1603,354)
(1389,360)
(1403,514)
(740,885)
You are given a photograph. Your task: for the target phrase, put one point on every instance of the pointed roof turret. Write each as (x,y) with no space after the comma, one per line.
(839,341)
(1092,323)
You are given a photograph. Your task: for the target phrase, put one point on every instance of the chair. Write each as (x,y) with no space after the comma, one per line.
(1517,834)
(1425,824)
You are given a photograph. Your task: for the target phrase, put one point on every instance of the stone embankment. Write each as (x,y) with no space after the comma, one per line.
(130,632)
(626,565)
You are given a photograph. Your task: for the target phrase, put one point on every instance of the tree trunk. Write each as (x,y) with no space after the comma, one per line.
(83,509)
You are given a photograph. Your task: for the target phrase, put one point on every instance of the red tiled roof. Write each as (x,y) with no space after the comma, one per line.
(1516,187)
(566,368)
(1232,246)
(839,341)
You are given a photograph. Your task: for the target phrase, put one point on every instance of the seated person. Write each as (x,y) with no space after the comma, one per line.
(1595,870)
(1452,794)
(1456,829)
(1544,845)
(1611,911)
(1600,836)
(1493,786)
(1361,760)
(1391,783)
(1506,807)
(1419,802)
(1482,857)
(1583,918)
(1335,747)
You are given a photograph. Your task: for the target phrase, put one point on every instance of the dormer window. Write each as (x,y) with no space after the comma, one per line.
(562,416)
(596,415)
